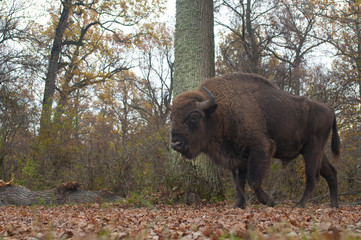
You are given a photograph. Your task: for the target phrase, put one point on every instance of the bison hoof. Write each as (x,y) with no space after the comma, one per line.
(239,205)
(270,203)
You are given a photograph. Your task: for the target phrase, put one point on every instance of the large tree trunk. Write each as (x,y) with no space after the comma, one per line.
(50,85)
(50,80)
(194,44)
(194,61)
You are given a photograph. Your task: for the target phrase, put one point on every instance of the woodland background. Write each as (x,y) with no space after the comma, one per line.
(82,86)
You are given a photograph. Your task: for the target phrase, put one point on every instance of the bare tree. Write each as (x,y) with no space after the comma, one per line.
(245,45)
(294,27)
(15,63)
(341,23)
(156,63)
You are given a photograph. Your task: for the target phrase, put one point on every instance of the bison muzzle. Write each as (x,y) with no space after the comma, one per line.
(242,121)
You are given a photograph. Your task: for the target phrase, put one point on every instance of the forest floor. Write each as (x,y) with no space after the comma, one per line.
(206,221)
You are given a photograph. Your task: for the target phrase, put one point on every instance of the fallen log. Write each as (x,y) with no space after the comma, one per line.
(65,193)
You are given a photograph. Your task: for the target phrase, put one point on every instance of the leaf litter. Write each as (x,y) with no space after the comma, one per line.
(207,221)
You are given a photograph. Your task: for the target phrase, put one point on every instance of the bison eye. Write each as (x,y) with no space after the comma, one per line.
(193,120)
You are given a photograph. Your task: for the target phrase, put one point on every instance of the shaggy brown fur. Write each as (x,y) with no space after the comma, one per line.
(251,122)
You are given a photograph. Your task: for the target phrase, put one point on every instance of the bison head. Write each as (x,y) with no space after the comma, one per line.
(190,117)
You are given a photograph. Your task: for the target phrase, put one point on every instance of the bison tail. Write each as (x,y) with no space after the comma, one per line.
(335,142)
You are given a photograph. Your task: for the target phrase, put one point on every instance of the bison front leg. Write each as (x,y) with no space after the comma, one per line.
(258,164)
(239,178)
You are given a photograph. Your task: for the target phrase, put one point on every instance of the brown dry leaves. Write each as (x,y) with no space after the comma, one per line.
(211,221)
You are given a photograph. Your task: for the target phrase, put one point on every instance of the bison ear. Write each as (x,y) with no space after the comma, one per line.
(210,110)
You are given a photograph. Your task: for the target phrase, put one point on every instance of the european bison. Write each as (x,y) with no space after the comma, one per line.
(241,121)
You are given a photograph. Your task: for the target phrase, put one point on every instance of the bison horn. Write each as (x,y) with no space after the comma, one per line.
(166,103)
(207,103)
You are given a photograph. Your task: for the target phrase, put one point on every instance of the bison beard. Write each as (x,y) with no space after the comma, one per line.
(241,121)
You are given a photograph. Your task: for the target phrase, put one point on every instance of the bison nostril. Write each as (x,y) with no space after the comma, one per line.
(177,145)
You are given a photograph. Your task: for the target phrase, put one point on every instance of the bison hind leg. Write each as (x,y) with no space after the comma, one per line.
(330,174)
(313,158)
